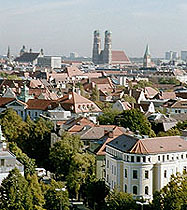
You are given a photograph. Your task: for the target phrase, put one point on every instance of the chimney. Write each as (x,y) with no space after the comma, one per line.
(110,134)
(70,96)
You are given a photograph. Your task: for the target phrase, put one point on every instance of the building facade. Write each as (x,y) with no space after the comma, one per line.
(142,166)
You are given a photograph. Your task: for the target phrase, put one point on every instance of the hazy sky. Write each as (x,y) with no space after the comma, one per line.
(63,26)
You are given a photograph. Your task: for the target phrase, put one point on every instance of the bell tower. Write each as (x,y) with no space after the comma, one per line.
(96,47)
(107,54)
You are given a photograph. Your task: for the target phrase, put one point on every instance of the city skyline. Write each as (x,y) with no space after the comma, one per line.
(64,26)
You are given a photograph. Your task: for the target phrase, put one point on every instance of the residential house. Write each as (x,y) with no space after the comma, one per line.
(121,106)
(79,106)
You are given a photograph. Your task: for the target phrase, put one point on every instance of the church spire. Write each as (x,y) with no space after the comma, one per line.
(8,53)
(147,51)
(147,58)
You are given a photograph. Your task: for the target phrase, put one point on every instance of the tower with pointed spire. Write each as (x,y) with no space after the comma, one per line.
(107,53)
(96,47)
(147,58)
(8,53)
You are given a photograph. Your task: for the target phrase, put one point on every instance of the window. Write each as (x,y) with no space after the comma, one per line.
(146,190)
(163,158)
(135,190)
(107,163)
(138,159)
(125,188)
(132,158)
(146,174)
(2,162)
(158,158)
(165,173)
(21,113)
(135,174)
(36,114)
(114,170)
(167,157)
(144,159)
(149,159)
(125,173)
(181,156)
(184,169)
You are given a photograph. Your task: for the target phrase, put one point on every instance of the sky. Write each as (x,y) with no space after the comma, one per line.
(64,26)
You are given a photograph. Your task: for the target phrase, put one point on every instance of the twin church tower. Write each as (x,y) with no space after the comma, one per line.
(102,56)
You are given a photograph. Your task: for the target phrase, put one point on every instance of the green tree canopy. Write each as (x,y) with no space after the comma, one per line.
(120,201)
(129,99)
(55,197)
(108,117)
(70,163)
(173,195)
(29,164)
(36,191)
(13,127)
(135,120)
(95,94)
(170,132)
(95,192)
(15,193)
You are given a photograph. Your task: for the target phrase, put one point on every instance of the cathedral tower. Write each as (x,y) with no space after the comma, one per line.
(147,58)
(96,48)
(107,53)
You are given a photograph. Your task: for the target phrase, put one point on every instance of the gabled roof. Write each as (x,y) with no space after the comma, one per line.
(4,101)
(42,104)
(155,145)
(73,71)
(78,104)
(180,104)
(119,56)
(150,92)
(27,57)
(165,95)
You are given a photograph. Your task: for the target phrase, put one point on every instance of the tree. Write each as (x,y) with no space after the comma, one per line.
(61,154)
(36,191)
(129,99)
(81,167)
(95,192)
(13,127)
(39,141)
(95,94)
(55,197)
(70,163)
(14,192)
(120,201)
(108,117)
(170,132)
(173,195)
(29,164)
(143,84)
(135,120)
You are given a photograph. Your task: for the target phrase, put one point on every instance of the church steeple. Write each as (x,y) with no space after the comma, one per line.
(147,58)
(147,51)
(8,53)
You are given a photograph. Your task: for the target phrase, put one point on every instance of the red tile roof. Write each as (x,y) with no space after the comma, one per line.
(78,104)
(119,57)
(41,104)
(160,145)
(4,101)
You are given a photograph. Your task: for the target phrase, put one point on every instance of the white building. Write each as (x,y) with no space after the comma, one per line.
(50,61)
(142,166)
